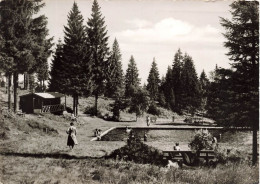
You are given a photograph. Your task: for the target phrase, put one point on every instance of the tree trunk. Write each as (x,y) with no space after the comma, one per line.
(254,158)
(24,81)
(15,83)
(31,83)
(96,103)
(65,102)
(9,83)
(43,85)
(77,104)
(74,105)
(27,81)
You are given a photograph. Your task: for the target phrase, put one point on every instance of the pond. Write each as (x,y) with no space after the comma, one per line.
(165,139)
(171,135)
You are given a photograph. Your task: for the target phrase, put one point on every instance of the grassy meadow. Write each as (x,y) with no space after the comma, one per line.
(33,150)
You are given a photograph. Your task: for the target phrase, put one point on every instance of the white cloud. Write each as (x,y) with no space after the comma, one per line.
(168,30)
(139,23)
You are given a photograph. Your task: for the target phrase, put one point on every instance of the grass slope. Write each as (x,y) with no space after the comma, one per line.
(33,150)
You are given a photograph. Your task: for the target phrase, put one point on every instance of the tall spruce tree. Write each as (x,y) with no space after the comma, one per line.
(56,69)
(25,35)
(115,84)
(167,89)
(132,82)
(76,65)
(98,44)
(153,81)
(139,102)
(204,83)
(161,97)
(42,68)
(190,87)
(176,79)
(242,34)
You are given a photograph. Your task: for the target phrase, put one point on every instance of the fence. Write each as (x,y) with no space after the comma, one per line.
(53,108)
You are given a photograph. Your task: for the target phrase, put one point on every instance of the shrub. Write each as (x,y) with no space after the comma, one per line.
(69,109)
(202,140)
(225,156)
(3,136)
(91,111)
(42,127)
(154,110)
(137,151)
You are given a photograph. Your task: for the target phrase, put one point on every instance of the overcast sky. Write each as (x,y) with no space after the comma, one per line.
(154,28)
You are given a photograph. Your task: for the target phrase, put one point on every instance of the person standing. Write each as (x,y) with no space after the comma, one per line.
(148,120)
(72,139)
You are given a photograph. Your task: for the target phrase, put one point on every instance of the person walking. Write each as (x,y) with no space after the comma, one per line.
(72,139)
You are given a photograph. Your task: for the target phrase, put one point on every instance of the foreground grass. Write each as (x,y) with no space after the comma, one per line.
(48,170)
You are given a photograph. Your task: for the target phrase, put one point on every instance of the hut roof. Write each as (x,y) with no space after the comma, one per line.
(47,95)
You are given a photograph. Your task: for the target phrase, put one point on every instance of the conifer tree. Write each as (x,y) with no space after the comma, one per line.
(204,84)
(6,65)
(242,34)
(190,87)
(132,82)
(153,82)
(76,65)
(161,97)
(139,102)
(98,45)
(176,80)
(25,34)
(115,84)
(42,67)
(56,69)
(168,90)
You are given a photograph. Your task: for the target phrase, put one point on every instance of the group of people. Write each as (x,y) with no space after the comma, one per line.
(97,133)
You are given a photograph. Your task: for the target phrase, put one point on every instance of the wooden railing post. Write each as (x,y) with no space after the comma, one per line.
(207,158)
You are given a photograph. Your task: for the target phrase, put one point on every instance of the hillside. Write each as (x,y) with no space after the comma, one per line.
(33,150)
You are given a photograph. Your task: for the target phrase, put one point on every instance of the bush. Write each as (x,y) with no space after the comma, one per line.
(42,127)
(225,156)
(69,109)
(154,110)
(202,140)
(91,111)
(137,151)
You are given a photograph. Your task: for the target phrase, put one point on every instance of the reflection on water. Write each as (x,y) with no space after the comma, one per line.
(155,135)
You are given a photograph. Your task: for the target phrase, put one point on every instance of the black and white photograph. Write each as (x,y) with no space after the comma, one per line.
(129,91)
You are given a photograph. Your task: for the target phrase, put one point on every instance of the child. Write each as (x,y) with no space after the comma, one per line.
(177,147)
(148,120)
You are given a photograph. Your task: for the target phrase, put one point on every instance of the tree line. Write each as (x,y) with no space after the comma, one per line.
(85,65)
(24,43)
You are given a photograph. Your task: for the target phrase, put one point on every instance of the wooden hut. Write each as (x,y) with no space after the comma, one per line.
(41,102)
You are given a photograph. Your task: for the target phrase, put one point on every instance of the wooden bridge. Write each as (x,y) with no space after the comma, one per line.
(188,156)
